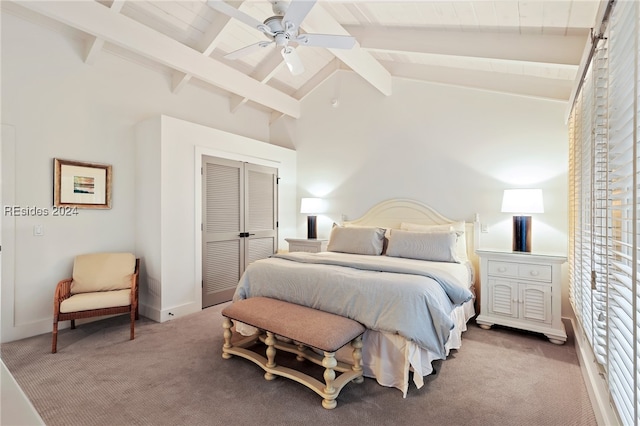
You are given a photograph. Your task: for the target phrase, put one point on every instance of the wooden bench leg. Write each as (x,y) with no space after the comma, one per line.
(270,341)
(356,344)
(226,324)
(301,348)
(329,363)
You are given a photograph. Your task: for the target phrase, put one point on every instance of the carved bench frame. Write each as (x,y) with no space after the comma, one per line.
(328,391)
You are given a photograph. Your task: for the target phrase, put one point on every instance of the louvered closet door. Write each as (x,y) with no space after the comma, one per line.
(261,214)
(222,223)
(240,221)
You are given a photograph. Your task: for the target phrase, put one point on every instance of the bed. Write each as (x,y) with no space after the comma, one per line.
(403,270)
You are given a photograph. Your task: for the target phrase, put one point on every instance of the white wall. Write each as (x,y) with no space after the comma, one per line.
(169,237)
(56,106)
(452,148)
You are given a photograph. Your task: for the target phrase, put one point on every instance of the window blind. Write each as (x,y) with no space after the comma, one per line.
(603,180)
(588,174)
(622,372)
(600,199)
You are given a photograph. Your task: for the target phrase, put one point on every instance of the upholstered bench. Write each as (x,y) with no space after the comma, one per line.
(302,328)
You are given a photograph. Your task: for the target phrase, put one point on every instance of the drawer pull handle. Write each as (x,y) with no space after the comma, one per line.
(534,273)
(502,269)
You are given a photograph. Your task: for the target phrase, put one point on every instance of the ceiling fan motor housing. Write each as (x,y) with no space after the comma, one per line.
(278,32)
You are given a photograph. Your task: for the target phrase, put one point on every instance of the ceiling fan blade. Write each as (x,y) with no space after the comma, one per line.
(326,40)
(292,60)
(297,11)
(247,50)
(231,11)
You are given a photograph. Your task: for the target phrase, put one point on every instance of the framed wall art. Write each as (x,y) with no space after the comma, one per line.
(82,185)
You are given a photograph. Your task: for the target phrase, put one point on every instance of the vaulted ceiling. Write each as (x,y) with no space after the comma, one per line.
(531,48)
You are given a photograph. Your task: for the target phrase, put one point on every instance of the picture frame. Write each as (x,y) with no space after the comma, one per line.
(81,185)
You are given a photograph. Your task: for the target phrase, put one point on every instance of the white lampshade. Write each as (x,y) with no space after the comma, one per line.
(522,201)
(311,205)
(293,61)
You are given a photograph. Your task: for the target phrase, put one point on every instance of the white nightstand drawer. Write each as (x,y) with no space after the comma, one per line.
(306,245)
(505,269)
(535,272)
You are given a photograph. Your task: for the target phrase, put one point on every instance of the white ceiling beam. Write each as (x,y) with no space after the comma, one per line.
(359,60)
(209,42)
(95,47)
(542,48)
(524,85)
(318,78)
(99,21)
(262,73)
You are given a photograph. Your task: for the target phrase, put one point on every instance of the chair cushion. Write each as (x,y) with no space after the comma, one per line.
(98,300)
(102,272)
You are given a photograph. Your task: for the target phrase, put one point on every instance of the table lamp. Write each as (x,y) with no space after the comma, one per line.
(313,206)
(522,201)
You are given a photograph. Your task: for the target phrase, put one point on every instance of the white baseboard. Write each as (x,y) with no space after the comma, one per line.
(169,313)
(595,382)
(149,312)
(12,332)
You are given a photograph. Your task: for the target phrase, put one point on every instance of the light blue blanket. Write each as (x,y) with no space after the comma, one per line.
(404,296)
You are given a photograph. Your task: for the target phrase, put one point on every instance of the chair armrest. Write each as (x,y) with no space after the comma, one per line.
(63,291)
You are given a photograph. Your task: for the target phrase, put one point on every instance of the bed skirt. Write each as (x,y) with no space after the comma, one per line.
(395,356)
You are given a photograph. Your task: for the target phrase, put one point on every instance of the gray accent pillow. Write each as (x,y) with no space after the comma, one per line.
(433,246)
(356,240)
(458,227)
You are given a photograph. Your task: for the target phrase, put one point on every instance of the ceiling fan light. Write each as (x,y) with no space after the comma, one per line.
(292,60)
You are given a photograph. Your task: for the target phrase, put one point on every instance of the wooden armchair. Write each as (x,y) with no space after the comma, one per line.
(102,284)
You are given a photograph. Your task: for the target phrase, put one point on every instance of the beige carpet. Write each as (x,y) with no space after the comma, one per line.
(173,374)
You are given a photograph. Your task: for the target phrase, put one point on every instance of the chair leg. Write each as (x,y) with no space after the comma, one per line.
(133,322)
(73,324)
(54,342)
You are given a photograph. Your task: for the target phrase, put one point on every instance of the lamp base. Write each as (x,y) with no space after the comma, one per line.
(522,233)
(312,232)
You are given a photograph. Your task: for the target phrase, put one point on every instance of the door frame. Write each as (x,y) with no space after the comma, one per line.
(201,151)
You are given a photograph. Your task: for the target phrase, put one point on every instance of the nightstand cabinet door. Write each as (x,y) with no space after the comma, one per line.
(535,301)
(522,290)
(503,298)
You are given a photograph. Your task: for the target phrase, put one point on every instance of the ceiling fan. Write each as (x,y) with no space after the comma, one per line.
(283,28)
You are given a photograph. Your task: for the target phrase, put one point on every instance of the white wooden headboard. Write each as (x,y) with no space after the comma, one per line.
(390,213)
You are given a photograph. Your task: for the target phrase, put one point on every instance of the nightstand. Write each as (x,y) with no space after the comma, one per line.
(310,246)
(522,290)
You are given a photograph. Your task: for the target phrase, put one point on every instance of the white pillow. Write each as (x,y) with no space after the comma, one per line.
(356,240)
(458,227)
(439,246)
